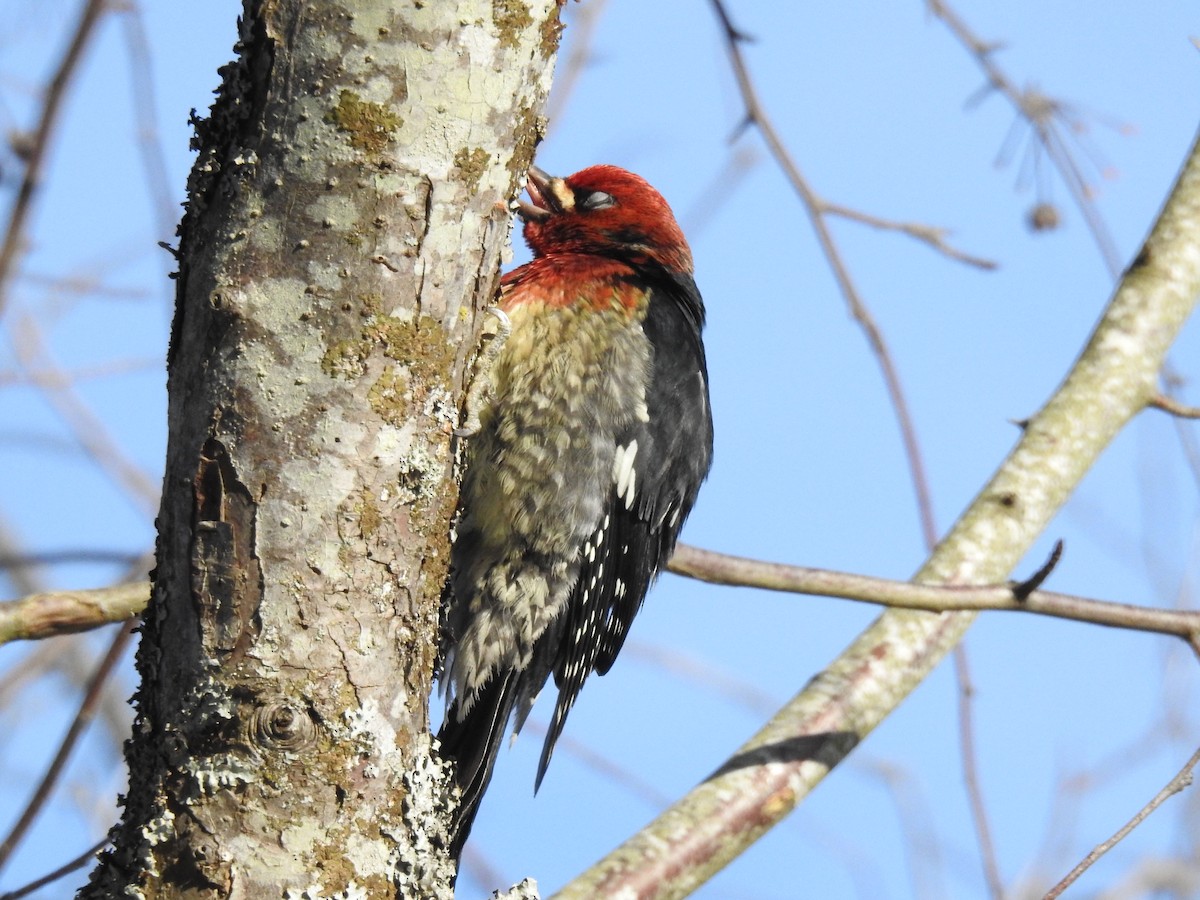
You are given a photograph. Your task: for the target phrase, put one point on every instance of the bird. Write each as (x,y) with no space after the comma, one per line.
(584,462)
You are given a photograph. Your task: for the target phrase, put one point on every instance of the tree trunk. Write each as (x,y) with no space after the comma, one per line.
(345,220)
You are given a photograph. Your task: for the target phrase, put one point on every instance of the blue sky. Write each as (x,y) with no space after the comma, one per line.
(872,100)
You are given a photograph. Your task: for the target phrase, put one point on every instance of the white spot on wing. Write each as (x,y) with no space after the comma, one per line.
(623,472)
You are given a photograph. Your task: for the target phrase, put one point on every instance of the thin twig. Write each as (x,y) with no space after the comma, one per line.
(59,612)
(67,556)
(972,783)
(61,872)
(89,431)
(584,20)
(756,115)
(970,764)
(1043,114)
(929,234)
(818,209)
(1181,780)
(1174,407)
(720,568)
(703,674)
(59,377)
(60,656)
(605,767)
(922,845)
(147,136)
(35,152)
(1172,381)
(736,166)
(85,714)
(89,285)
(816,206)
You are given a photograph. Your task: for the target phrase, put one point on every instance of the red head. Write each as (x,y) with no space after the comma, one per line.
(603,211)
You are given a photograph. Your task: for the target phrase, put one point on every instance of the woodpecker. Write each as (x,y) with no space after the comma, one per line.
(583,466)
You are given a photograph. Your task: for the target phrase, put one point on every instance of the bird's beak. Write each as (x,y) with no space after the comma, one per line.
(548,196)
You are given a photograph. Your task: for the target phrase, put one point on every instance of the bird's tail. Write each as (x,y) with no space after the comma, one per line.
(472,740)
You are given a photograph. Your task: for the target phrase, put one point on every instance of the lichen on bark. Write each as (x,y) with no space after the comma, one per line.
(334,250)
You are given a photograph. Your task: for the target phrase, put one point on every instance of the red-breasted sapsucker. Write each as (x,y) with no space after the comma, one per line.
(584,465)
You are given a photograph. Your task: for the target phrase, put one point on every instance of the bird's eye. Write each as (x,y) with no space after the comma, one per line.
(597,200)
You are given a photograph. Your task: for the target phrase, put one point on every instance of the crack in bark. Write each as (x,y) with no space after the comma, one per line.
(227,579)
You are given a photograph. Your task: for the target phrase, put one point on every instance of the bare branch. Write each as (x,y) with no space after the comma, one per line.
(584,20)
(1181,780)
(1174,407)
(720,568)
(1045,116)
(62,871)
(87,711)
(737,165)
(56,378)
(88,282)
(90,432)
(815,207)
(606,767)
(52,613)
(146,135)
(818,209)
(974,787)
(66,556)
(932,235)
(39,141)
(972,783)
(757,116)
(701,672)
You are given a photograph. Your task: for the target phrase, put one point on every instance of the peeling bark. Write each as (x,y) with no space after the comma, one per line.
(345,220)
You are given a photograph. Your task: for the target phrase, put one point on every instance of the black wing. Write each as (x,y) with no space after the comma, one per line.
(649,501)
(473,741)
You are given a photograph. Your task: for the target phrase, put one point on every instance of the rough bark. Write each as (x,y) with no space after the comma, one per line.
(345,221)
